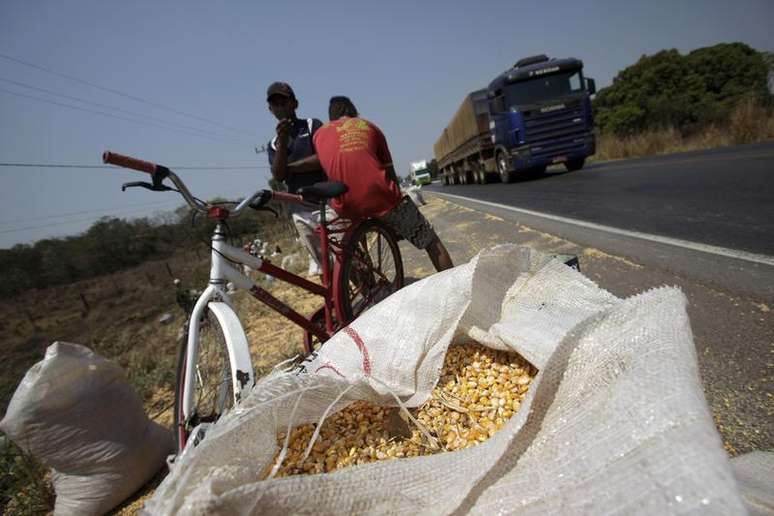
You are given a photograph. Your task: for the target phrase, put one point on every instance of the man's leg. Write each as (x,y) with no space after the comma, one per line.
(439,256)
(408,222)
(305,223)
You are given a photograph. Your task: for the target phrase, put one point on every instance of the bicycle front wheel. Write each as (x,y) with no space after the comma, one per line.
(371,269)
(211,388)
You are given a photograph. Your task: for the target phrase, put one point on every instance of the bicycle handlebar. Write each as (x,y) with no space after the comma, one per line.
(120,160)
(287,197)
(160,173)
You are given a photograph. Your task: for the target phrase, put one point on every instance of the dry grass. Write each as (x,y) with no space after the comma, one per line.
(120,321)
(749,123)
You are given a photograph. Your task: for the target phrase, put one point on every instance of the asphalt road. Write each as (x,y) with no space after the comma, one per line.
(702,221)
(722,197)
(730,300)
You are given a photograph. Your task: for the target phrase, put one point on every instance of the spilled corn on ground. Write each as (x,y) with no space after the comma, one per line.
(479,390)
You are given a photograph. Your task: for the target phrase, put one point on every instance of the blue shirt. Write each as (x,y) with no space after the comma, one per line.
(300,146)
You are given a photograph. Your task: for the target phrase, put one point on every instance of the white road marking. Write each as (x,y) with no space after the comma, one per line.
(627,163)
(686,244)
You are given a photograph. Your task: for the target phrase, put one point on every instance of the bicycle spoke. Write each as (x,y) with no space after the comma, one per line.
(371,273)
(379,250)
(366,260)
(212,375)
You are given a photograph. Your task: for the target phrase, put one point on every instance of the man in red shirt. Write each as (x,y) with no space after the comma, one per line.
(354,151)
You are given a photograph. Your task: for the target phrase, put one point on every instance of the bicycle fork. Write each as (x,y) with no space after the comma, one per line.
(218,302)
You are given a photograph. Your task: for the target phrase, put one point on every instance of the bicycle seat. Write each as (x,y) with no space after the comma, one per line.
(319,192)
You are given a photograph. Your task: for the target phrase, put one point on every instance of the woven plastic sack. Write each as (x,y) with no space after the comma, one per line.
(76,413)
(415,194)
(615,421)
(754,472)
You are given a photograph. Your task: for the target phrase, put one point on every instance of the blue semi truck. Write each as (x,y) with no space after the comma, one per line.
(535,114)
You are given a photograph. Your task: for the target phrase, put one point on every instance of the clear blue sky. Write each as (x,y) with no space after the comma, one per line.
(406,65)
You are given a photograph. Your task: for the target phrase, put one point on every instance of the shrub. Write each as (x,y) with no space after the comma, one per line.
(688,92)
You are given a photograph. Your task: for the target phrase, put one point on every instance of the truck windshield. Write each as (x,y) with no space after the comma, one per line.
(542,89)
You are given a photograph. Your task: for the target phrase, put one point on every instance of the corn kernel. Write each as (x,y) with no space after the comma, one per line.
(478,391)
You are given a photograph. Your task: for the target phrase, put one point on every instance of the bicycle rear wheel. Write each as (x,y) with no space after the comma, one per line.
(213,390)
(371,269)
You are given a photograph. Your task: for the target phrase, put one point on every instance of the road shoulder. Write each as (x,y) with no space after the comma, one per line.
(733,332)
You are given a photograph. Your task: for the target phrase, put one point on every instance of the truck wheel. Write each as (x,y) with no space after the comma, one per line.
(502,168)
(479,175)
(575,164)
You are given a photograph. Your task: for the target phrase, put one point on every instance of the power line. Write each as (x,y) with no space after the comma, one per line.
(120,110)
(65,165)
(125,210)
(120,93)
(96,210)
(63,223)
(111,115)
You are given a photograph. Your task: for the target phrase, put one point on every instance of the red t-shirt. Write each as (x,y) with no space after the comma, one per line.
(354,151)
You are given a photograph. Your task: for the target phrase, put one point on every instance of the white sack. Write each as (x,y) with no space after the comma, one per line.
(614,422)
(415,194)
(75,412)
(755,474)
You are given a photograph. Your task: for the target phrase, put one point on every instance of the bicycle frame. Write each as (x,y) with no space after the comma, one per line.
(215,296)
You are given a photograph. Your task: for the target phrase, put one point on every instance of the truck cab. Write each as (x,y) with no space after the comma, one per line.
(540,114)
(422,178)
(420,173)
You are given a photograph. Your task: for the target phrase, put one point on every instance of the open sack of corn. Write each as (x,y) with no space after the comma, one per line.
(510,384)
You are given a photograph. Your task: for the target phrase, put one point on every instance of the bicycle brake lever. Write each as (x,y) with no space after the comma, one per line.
(148,186)
(258,203)
(266,208)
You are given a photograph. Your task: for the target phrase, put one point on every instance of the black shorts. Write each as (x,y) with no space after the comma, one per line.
(407,221)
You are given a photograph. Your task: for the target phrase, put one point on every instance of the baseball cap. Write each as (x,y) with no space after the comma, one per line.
(280,88)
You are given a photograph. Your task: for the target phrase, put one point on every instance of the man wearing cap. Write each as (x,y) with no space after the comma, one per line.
(293,161)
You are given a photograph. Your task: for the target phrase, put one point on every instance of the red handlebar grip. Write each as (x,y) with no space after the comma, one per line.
(128,162)
(287,197)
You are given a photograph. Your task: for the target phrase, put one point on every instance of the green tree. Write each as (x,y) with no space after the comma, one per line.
(684,91)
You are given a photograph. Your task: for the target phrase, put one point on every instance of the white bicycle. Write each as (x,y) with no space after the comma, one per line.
(214,364)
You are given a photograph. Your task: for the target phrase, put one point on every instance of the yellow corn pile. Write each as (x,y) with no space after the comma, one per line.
(479,390)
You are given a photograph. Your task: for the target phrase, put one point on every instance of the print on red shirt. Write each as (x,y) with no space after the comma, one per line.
(354,151)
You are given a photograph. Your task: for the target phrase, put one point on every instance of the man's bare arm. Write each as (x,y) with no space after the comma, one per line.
(305,165)
(391,175)
(279,167)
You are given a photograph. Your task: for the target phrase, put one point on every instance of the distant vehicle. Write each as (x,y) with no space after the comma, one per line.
(533,115)
(420,173)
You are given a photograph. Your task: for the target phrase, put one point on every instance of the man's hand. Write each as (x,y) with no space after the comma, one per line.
(283,132)
(391,175)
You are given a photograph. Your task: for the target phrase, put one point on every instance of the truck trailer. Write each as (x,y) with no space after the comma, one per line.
(533,115)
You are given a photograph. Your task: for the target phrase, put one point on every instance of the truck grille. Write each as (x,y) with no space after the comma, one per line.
(554,132)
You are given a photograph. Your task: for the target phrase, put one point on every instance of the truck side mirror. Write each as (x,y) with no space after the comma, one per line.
(591,86)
